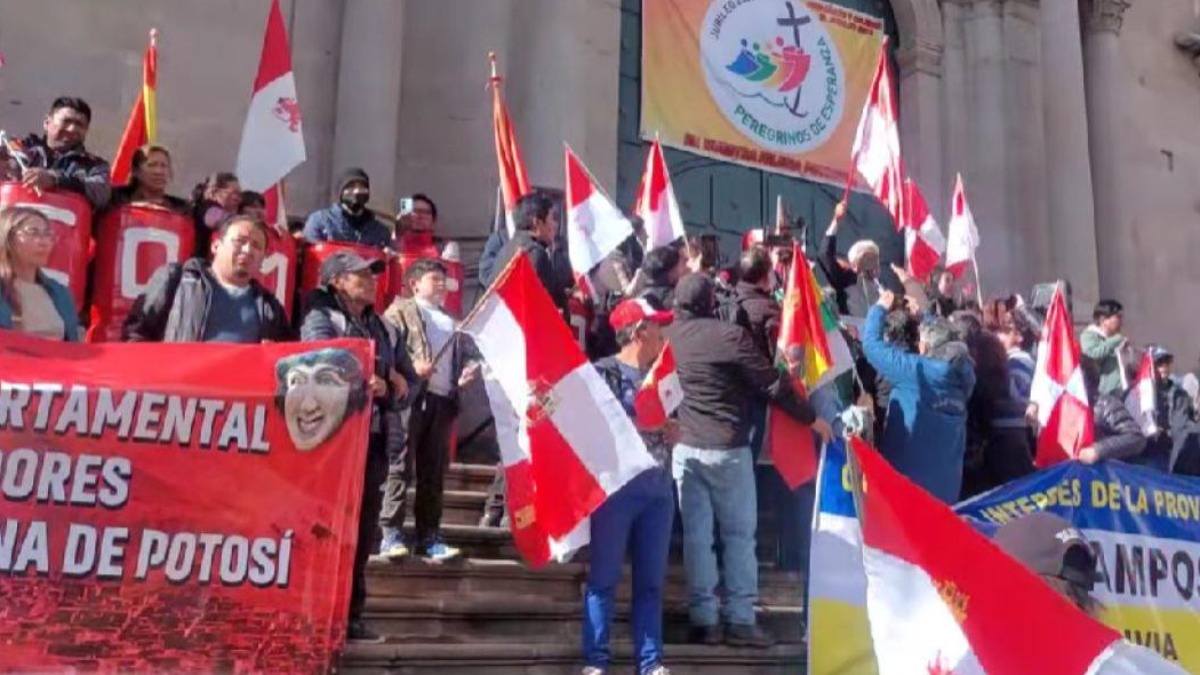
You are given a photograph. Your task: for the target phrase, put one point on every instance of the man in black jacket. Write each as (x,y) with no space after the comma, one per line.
(341,308)
(59,159)
(858,278)
(536,218)
(221,302)
(753,297)
(721,371)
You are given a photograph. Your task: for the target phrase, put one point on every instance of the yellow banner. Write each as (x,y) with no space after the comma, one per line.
(772,84)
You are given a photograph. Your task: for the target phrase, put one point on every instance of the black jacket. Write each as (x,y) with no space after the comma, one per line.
(76,170)
(539,257)
(660,296)
(175,307)
(1118,435)
(722,373)
(762,315)
(326,319)
(841,279)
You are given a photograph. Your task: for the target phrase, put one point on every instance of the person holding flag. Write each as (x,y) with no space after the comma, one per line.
(640,514)
(721,371)
(925,434)
(59,160)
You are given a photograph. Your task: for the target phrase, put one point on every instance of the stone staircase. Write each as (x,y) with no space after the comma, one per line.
(491,614)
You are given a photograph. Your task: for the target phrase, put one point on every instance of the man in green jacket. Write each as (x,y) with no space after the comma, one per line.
(1102,344)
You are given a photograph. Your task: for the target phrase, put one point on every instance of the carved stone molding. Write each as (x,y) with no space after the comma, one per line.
(920,57)
(1104,15)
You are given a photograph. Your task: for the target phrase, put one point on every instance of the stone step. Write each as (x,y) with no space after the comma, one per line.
(558,659)
(470,477)
(417,578)
(459,507)
(533,619)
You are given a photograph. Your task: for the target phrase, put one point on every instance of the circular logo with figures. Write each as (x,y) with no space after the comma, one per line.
(774,71)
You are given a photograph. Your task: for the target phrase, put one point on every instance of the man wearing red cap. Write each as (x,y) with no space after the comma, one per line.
(638,515)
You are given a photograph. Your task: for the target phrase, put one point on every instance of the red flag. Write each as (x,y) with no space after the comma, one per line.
(1058,389)
(514,183)
(876,156)
(565,442)
(660,394)
(273,137)
(941,598)
(1140,400)
(656,204)
(595,226)
(963,235)
(143,119)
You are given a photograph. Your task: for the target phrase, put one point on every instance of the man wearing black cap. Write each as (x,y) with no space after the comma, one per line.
(341,308)
(349,220)
(722,372)
(198,301)
(1174,415)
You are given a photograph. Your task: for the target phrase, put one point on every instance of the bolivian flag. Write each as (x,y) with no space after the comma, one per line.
(143,119)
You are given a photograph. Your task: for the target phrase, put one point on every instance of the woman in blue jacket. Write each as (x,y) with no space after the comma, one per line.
(30,301)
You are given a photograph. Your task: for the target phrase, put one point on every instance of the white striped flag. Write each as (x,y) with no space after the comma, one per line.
(595,226)
(876,157)
(565,441)
(514,182)
(656,204)
(963,235)
(273,137)
(1140,400)
(943,599)
(1059,390)
(661,393)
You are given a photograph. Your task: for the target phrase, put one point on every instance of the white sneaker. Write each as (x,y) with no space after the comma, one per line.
(660,669)
(592,670)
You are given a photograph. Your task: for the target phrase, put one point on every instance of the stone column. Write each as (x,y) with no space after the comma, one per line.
(366,132)
(1104,76)
(920,88)
(1026,143)
(955,94)
(987,135)
(1072,222)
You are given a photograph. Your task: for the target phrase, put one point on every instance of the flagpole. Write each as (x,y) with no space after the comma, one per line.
(978,279)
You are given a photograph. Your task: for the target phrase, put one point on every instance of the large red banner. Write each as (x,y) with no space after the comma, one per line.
(70,217)
(134,242)
(178,507)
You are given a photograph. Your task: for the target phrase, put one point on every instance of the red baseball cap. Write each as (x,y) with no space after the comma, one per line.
(636,310)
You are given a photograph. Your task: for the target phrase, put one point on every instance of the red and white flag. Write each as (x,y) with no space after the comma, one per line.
(963,235)
(661,394)
(876,153)
(923,241)
(943,599)
(565,441)
(876,157)
(595,226)
(514,182)
(273,138)
(1141,400)
(656,204)
(1058,389)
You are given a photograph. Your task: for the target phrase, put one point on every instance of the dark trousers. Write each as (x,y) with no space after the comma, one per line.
(368,517)
(493,506)
(427,454)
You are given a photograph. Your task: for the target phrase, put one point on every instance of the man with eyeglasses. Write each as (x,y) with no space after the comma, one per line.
(218,302)
(59,160)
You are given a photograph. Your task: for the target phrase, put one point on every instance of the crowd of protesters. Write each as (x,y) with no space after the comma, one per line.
(942,384)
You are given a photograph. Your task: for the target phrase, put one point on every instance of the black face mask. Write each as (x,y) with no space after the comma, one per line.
(355,202)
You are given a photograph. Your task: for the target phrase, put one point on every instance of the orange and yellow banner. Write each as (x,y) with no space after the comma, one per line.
(772,84)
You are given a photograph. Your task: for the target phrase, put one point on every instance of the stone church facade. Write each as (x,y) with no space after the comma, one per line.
(1076,123)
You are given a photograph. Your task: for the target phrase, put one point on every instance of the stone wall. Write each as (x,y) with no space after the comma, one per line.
(396,86)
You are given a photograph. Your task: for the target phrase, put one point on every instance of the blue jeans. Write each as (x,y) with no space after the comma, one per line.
(639,517)
(720,484)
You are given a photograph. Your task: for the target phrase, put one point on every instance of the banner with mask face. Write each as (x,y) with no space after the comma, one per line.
(178,507)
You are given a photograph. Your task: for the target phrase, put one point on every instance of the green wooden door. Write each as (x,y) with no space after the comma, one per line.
(723,199)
